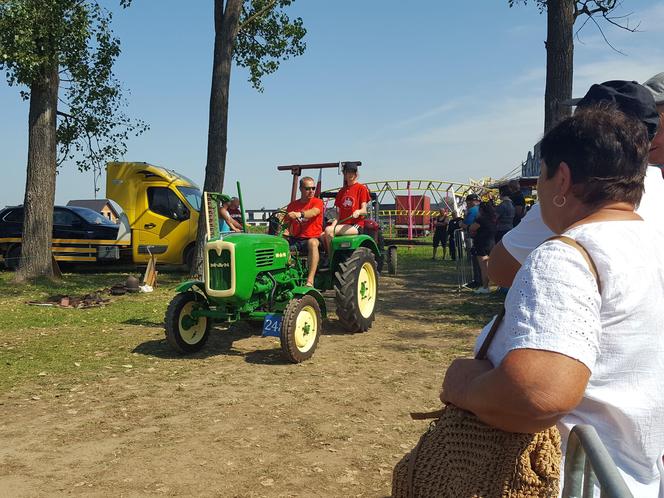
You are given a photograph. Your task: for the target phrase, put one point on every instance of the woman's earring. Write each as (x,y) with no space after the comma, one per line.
(558,203)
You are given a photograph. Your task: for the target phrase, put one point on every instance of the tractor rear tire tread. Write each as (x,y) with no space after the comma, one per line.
(346,291)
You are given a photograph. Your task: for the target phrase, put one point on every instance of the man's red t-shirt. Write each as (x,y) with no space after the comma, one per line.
(350,199)
(311,227)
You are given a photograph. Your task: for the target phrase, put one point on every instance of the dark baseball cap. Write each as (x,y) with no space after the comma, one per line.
(350,166)
(472,197)
(631,98)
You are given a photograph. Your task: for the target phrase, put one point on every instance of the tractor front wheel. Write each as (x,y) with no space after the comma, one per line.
(301,328)
(356,290)
(185,333)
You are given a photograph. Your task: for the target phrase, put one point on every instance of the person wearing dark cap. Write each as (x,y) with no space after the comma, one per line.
(351,204)
(633,99)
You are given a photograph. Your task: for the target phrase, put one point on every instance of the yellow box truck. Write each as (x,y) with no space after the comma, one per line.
(160,211)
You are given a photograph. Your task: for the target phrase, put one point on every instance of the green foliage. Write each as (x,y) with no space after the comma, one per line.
(266,37)
(76,36)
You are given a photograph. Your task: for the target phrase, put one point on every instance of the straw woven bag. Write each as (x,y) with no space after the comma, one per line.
(462,457)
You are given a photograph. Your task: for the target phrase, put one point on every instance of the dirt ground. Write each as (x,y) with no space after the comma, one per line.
(236,420)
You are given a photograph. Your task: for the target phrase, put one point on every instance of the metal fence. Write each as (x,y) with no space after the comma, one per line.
(589,465)
(461,254)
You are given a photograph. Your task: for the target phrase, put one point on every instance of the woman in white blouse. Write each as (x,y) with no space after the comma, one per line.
(567,353)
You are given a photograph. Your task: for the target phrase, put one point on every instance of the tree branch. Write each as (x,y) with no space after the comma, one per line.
(604,36)
(258,14)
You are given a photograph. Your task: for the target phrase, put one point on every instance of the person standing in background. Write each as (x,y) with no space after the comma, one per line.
(440,232)
(505,213)
(518,200)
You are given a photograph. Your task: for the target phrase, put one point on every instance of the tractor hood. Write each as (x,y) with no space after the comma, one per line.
(233,262)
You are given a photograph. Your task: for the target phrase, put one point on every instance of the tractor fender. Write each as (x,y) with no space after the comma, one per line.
(304,291)
(369,243)
(195,285)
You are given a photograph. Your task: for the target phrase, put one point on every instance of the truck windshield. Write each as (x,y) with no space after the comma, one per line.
(192,195)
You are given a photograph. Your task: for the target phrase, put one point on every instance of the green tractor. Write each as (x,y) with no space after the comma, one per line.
(257,278)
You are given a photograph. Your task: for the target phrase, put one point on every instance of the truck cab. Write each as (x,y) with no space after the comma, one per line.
(160,210)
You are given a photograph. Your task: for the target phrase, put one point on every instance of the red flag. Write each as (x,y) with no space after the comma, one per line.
(319,184)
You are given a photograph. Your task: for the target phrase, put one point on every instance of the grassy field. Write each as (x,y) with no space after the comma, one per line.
(53,344)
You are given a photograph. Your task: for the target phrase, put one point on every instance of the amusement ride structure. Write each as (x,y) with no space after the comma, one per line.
(406,206)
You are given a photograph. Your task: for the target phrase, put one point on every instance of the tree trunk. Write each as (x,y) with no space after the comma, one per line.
(36,259)
(226,25)
(559,61)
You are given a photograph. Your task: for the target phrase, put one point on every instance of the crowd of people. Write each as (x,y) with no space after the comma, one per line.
(594,321)
(485,223)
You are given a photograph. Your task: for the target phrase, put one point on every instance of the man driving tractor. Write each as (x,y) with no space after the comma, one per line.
(306,224)
(351,203)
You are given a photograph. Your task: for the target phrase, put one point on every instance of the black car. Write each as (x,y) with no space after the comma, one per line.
(79,234)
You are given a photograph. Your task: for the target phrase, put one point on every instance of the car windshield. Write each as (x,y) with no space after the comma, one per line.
(92,216)
(193,196)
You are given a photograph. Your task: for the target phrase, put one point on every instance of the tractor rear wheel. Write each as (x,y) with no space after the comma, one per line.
(356,290)
(391,257)
(301,328)
(185,333)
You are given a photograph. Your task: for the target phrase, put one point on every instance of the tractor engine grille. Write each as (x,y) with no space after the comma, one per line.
(264,257)
(220,270)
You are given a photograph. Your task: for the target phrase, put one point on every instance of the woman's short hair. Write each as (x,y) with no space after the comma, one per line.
(606,152)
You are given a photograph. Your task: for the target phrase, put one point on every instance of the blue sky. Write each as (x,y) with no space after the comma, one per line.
(435,90)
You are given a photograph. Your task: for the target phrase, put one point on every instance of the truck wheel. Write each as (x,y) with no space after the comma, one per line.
(391,257)
(300,328)
(13,257)
(183,332)
(188,257)
(356,290)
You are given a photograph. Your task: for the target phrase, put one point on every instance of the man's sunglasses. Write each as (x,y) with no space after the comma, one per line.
(309,188)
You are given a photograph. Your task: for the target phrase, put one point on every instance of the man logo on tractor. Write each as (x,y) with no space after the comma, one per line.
(306,224)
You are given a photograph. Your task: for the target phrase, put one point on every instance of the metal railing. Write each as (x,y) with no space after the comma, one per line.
(588,464)
(464,267)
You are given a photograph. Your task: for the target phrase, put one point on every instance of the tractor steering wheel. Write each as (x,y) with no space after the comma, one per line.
(279,222)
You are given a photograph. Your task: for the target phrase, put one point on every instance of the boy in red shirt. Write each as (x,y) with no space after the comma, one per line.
(351,203)
(306,224)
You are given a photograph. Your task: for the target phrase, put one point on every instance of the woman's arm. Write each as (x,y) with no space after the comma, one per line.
(502,266)
(230,221)
(474,228)
(528,392)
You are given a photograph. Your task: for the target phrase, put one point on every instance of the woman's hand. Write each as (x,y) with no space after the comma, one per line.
(357,213)
(457,378)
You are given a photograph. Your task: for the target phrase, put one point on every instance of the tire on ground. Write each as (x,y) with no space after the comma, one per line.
(356,290)
(391,260)
(301,328)
(184,333)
